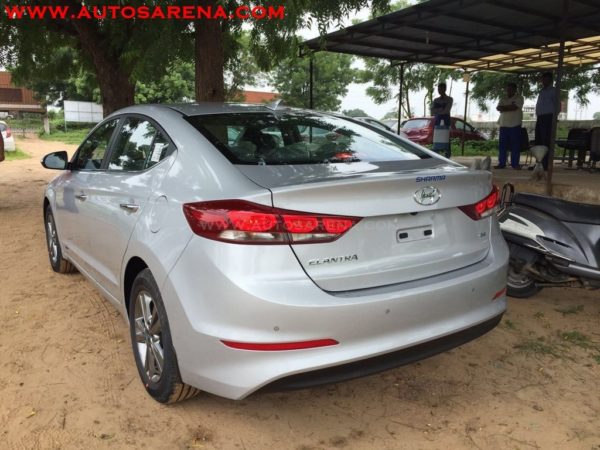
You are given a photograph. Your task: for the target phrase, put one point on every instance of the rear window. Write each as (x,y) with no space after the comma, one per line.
(299,138)
(3,127)
(412,124)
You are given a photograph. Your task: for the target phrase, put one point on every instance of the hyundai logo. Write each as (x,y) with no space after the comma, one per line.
(427,196)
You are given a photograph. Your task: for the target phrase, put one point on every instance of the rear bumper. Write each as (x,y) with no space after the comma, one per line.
(9,144)
(220,292)
(384,362)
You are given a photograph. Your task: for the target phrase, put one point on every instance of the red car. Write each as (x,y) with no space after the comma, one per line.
(420,130)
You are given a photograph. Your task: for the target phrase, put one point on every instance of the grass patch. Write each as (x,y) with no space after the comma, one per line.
(570,310)
(509,324)
(16,155)
(75,137)
(578,339)
(538,347)
(539,315)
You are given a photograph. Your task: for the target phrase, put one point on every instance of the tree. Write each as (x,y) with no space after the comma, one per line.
(333,73)
(117,52)
(356,112)
(120,53)
(597,115)
(385,77)
(489,86)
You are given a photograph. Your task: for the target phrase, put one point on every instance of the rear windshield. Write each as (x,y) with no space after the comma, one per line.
(419,123)
(299,138)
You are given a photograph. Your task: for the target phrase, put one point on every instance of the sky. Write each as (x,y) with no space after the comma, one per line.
(357,97)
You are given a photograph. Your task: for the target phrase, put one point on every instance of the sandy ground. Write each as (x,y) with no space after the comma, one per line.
(68,379)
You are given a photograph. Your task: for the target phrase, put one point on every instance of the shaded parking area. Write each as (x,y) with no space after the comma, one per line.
(67,377)
(576,185)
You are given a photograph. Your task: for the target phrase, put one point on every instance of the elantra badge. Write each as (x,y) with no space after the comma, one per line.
(427,196)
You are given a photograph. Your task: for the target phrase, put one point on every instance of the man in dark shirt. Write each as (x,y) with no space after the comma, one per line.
(1,148)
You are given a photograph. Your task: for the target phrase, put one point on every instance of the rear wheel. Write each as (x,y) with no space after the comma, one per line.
(520,284)
(58,263)
(152,345)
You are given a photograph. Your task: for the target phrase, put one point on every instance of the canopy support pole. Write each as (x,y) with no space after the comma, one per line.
(311,102)
(400,95)
(462,138)
(559,71)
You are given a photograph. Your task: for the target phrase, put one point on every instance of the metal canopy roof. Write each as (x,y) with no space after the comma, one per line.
(502,35)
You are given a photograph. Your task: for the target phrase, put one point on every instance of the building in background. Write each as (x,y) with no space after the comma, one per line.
(259,97)
(15,100)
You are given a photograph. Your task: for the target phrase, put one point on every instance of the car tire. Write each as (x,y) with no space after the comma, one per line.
(520,284)
(58,263)
(152,345)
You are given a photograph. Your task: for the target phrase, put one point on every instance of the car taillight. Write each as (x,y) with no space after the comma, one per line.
(243,222)
(8,132)
(483,208)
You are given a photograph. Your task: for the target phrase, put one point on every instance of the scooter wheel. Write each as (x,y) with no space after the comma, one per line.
(520,284)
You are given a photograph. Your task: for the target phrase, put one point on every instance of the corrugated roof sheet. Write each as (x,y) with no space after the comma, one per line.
(505,35)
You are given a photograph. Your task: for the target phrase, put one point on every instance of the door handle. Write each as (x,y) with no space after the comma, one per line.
(82,197)
(129,207)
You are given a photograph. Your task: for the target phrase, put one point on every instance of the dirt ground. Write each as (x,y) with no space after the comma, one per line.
(68,379)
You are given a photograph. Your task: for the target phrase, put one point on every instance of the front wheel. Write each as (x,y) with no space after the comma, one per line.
(58,263)
(520,284)
(152,345)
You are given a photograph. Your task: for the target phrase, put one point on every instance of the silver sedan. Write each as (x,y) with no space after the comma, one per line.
(252,247)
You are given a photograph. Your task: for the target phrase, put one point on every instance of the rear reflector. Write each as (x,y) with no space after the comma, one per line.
(483,208)
(243,222)
(499,294)
(282,346)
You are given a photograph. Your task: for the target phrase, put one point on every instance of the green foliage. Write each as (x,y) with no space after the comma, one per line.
(16,155)
(490,86)
(73,136)
(333,73)
(175,86)
(597,115)
(356,112)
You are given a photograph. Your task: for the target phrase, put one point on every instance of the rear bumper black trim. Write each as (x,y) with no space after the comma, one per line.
(383,362)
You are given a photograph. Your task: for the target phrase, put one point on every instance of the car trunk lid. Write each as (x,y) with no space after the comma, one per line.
(401,237)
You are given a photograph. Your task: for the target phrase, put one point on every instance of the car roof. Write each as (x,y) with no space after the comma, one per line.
(206,108)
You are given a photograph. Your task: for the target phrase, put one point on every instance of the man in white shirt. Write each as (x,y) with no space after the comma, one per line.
(511,119)
(545,110)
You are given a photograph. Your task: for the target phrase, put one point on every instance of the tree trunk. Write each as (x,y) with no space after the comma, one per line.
(407,94)
(116,89)
(210,58)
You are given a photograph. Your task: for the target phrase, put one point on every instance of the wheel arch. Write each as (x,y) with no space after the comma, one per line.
(134,266)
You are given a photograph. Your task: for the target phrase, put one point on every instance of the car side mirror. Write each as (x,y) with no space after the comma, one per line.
(56,160)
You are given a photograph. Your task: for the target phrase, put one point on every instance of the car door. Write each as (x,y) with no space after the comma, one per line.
(122,194)
(469,131)
(73,213)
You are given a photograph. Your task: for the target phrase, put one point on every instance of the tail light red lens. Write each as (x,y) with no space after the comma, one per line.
(244,222)
(482,208)
(8,132)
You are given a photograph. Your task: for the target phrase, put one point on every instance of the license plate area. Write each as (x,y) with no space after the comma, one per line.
(414,234)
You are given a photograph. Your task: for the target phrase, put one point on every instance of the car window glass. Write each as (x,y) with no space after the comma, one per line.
(418,123)
(2,127)
(134,146)
(91,153)
(299,138)
(161,148)
(460,124)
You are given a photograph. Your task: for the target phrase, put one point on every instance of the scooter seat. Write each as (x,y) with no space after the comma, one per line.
(561,209)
